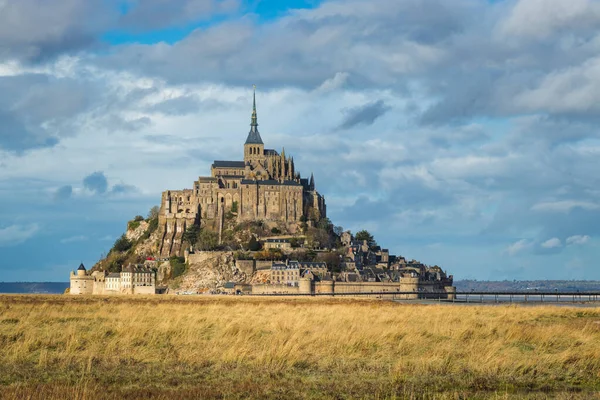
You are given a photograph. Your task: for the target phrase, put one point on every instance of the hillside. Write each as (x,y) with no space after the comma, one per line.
(213,263)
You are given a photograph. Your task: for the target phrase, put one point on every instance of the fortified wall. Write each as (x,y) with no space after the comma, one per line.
(417,289)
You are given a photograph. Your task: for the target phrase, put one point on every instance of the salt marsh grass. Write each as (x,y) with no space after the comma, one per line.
(228,347)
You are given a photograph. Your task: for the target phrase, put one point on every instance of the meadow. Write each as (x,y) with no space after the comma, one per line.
(166,347)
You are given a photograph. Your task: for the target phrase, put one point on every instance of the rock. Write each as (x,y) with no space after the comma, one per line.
(211,270)
(164,272)
(135,234)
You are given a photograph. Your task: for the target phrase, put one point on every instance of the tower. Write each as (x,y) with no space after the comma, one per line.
(254,148)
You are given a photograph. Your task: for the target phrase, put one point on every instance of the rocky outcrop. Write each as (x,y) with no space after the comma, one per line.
(211,270)
(134,234)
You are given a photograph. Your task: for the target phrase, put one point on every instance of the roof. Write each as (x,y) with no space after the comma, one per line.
(229,285)
(254,137)
(271,152)
(207,179)
(278,240)
(231,176)
(114,275)
(228,164)
(269,182)
(81,267)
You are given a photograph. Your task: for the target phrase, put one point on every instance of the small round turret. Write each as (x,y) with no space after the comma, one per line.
(81,270)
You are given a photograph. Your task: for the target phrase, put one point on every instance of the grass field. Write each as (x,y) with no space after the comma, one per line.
(225,347)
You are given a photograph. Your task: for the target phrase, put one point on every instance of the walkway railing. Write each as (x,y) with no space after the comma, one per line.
(464,297)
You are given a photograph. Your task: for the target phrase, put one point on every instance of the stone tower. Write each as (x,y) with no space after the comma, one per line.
(254,148)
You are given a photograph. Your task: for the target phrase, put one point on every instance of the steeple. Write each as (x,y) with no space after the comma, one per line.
(253,135)
(312,182)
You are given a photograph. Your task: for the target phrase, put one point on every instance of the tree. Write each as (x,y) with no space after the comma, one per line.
(122,244)
(253,244)
(153,213)
(207,240)
(317,238)
(338,230)
(365,235)
(178,266)
(191,234)
(333,260)
(324,224)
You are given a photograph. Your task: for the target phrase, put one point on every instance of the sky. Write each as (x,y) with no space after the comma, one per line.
(462,133)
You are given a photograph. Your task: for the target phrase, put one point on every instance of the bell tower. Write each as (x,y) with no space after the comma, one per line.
(254,148)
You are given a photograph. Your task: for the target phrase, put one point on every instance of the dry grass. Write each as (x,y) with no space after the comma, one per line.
(166,347)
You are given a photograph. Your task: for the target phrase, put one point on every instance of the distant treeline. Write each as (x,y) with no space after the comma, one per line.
(33,287)
(468,285)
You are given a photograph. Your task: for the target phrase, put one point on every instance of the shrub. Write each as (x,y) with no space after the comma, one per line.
(133,225)
(275,231)
(138,218)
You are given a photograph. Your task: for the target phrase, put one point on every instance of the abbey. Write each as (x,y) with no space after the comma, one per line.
(264,186)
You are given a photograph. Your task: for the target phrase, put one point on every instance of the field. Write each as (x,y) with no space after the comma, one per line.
(226,347)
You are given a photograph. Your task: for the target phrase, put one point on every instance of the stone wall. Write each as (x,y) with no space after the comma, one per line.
(246,266)
(274,289)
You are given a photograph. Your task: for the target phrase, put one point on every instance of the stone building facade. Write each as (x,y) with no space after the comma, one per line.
(264,186)
(133,279)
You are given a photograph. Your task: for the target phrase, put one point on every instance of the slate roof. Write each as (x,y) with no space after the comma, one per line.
(114,275)
(269,182)
(228,164)
(81,267)
(254,137)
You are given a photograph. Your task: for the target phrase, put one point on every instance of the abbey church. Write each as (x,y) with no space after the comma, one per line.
(264,186)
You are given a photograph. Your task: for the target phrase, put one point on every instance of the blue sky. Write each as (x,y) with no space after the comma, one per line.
(461,133)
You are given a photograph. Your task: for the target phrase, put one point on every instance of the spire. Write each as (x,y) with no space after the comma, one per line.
(312,182)
(253,135)
(254,120)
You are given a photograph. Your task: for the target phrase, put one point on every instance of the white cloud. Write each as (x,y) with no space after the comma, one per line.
(541,18)
(72,239)
(16,234)
(577,239)
(564,206)
(518,247)
(552,243)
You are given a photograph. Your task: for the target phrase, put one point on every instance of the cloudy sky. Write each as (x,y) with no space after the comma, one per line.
(462,133)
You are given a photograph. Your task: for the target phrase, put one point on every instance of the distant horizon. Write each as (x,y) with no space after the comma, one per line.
(461,134)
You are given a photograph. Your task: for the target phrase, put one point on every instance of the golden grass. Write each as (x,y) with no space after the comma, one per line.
(227,347)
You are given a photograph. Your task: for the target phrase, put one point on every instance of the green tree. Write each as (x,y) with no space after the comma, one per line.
(365,235)
(191,234)
(122,244)
(253,244)
(207,240)
(178,266)
(234,207)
